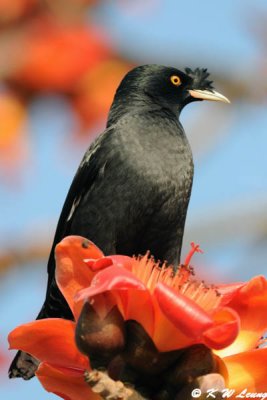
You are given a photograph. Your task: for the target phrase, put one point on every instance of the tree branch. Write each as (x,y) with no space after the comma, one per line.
(109,389)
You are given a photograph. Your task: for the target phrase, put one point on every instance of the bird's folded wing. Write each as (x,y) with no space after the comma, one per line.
(83,180)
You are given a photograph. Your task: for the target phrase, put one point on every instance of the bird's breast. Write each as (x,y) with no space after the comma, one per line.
(157,154)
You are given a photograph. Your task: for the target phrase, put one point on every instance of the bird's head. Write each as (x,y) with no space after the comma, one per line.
(167,87)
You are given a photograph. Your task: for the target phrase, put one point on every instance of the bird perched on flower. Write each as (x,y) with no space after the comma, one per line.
(131,191)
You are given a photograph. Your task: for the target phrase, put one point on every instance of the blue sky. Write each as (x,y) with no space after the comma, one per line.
(212,32)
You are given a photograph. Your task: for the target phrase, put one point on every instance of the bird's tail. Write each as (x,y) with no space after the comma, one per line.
(23,366)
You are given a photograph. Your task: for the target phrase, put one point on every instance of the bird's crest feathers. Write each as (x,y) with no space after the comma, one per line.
(200,76)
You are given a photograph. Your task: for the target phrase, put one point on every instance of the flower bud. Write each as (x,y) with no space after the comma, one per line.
(141,353)
(100,338)
(195,361)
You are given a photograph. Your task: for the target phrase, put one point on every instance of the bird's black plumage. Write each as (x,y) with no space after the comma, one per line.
(131,191)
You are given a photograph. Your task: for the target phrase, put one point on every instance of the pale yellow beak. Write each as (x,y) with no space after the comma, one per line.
(208,95)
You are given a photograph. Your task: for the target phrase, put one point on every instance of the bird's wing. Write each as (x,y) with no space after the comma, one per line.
(83,180)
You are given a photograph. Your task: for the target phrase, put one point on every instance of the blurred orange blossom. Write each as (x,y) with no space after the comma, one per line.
(56,54)
(13,137)
(11,11)
(53,47)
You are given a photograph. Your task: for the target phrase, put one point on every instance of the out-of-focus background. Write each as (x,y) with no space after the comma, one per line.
(60,62)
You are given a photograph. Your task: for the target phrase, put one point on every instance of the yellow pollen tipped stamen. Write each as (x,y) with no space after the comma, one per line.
(198,292)
(154,277)
(150,273)
(162,274)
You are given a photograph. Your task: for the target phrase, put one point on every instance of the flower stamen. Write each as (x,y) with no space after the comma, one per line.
(150,273)
(195,248)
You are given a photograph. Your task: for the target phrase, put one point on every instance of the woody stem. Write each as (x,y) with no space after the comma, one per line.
(108,389)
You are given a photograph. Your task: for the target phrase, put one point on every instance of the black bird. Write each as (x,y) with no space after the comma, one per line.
(131,191)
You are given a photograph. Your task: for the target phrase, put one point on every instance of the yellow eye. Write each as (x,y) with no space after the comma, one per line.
(175,80)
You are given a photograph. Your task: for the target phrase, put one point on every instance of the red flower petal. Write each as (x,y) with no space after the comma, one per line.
(102,263)
(50,340)
(250,303)
(111,278)
(225,330)
(137,305)
(228,291)
(183,312)
(72,274)
(132,297)
(122,261)
(97,265)
(65,382)
(165,335)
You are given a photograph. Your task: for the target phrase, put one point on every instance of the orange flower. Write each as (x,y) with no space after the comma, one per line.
(13,137)
(11,11)
(56,55)
(52,340)
(244,360)
(175,311)
(95,91)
